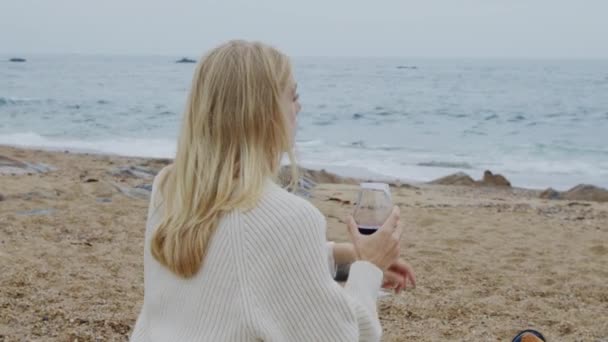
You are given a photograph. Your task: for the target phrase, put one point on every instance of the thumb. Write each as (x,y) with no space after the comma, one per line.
(353,230)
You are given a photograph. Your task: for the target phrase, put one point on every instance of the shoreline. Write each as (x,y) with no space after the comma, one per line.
(342,171)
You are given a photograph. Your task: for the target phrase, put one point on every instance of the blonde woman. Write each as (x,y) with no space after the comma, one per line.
(231,256)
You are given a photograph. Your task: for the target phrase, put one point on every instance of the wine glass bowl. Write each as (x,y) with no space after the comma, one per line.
(373,207)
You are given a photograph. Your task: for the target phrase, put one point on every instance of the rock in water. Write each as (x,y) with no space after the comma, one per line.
(494,179)
(17,60)
(185,60)
(551,194)
(459,178)
(586,192)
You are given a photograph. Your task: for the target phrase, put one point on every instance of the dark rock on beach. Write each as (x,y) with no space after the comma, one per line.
(459,178)
(585,192)
(581,192)
(309,178)
(551,194)
(491,179)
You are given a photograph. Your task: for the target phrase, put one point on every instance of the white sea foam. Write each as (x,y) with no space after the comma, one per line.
(152,148)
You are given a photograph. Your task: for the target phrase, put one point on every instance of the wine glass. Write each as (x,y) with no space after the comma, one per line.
(374,205)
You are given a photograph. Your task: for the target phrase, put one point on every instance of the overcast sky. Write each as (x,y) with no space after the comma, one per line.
(425,28)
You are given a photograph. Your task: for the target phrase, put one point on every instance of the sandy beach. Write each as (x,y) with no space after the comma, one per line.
(490,260)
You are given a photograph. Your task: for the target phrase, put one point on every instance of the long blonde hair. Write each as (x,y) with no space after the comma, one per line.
(232,139)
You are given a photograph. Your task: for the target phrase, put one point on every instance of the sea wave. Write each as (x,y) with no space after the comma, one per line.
(310,143)
(360,144)
(19,101)
(135,147)
(362,163)
(447,164)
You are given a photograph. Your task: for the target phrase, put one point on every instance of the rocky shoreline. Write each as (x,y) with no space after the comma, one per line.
(144,170)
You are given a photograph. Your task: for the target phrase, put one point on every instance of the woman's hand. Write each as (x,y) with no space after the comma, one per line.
(382,247)
(398,275)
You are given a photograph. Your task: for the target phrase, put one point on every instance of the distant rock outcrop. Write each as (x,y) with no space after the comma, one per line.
(309,178)
(581,192)
(17,60)
(185,60)
(585,192)
(494,179)
(459,178)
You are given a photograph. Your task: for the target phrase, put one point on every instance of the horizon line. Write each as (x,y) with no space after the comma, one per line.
(195,55)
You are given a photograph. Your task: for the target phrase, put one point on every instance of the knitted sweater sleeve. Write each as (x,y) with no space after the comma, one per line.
(290,295)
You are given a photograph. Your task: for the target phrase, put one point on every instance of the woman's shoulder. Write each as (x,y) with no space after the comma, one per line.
(163,173)
(161,177)
(157,183)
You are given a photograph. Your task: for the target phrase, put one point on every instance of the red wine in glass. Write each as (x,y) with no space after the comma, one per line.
(374,205)
(367,230)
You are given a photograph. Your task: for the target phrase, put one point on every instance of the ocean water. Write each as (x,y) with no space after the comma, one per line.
(541,123)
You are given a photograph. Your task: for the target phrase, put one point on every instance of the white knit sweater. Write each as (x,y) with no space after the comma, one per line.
(265,278)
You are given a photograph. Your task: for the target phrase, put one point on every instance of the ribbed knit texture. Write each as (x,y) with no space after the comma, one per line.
(265,277)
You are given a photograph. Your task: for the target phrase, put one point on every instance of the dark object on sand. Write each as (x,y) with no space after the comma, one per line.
(17,60)
(185,60)
(529,335)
